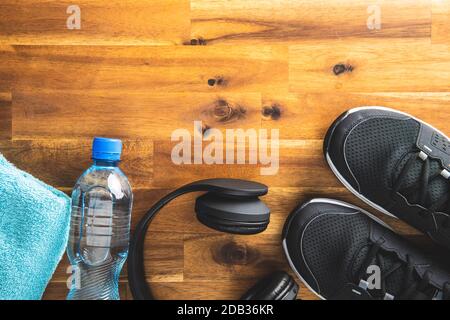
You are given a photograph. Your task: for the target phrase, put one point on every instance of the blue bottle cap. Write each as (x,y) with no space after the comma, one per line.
(106,149)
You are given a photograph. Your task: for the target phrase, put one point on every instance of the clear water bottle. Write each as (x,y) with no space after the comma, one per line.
(100,225)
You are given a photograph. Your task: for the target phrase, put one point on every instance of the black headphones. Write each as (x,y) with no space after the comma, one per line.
(231,206)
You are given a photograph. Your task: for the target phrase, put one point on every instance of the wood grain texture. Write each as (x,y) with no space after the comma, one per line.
(308,115)
(138,70)
(40,115)
(7,56)
(299,160)
(42,157)
(371,65)
(440,28)
(54,115)
(102,22)
(5,116)
(235,21)
(151,69)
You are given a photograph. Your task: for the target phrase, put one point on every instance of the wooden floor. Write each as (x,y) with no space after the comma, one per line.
(140,69)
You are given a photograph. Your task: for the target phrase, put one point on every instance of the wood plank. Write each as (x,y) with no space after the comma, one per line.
(372,65)
(102,22)
(151,69)
(301,163)
(5,116)
(284,21)
(60,162)
(7,71)
(56,114)
(440,28)
(164,257)
(297,116)
(309,115)
(226,256)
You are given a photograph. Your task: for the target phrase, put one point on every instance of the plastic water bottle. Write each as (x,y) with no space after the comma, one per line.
(100,225)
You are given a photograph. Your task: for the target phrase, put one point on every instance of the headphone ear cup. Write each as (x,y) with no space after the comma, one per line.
(277,286)
(234,229)
(232,215)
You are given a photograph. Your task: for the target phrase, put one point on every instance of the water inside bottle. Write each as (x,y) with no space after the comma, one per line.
(100,232)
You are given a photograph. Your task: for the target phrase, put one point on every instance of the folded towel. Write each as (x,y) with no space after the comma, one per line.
(34,228)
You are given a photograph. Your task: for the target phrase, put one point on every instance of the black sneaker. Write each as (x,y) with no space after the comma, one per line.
(342,252)
(395,163)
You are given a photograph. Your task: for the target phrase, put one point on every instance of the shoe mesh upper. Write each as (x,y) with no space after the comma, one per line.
(376,152)
(374,148)
(329,244)
(335,247)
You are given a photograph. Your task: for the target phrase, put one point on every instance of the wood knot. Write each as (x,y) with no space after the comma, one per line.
(198,42)
(226,112)
(232,253)
(273,112)
(341,68)
(219,81)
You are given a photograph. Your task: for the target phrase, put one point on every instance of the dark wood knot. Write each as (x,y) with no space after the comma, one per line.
(226,112)
(341,68)
(220,81)
(273,112)
(232,253)
(198,42)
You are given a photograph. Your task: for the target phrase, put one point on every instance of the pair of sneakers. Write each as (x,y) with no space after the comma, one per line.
(398,165)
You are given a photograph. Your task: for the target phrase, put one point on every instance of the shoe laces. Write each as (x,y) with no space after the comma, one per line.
(413,286)
(419,192)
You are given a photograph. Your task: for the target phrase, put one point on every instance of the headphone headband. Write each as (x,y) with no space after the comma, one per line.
(233,188)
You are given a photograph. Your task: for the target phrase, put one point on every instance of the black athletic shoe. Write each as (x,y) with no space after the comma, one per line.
(342,252)
(395,163)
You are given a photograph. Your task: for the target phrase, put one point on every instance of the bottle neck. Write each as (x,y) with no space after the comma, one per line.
(106,163)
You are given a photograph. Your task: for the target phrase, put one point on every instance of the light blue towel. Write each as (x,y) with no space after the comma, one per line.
(34,228)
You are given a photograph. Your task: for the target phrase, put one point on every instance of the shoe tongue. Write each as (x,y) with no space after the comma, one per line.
(437,188)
